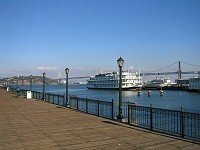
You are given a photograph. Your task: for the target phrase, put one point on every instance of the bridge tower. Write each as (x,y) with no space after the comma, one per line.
(59,77)
(179,70)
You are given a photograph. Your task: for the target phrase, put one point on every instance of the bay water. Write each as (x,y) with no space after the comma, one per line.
(173,100)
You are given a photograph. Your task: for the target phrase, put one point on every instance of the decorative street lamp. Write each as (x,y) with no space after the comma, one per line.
(17,81)
(67,72)
(120,63)
(31,80)
(6,83)
(43,93)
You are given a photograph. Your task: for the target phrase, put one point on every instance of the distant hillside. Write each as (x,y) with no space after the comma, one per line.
(38,80)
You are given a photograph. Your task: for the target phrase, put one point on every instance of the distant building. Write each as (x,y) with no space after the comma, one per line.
(194,84)
(182,82)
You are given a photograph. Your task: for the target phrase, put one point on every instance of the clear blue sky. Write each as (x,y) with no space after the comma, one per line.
(88,35)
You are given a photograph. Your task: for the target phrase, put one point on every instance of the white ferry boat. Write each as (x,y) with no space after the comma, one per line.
(158,83)
(110,80)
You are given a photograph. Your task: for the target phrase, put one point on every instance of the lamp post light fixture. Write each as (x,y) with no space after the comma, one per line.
(31,80)
(43,93)
(67,72)
(120,63)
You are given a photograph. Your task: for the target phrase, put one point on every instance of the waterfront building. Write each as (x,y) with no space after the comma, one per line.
(194,84)
(110,80)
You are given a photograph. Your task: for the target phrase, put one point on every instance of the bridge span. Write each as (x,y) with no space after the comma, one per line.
(179,72)
(148,74)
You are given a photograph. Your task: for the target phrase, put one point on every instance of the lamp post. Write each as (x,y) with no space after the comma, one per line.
(6,83)
(67,72)
(17,81)
(120,63)
(22,83)
(31,79)
(43,93)
(7,87)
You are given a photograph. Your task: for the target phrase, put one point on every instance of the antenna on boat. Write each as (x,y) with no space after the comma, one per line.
(139,73)
(100,70)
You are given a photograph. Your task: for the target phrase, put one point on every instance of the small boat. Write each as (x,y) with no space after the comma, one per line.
(157,83)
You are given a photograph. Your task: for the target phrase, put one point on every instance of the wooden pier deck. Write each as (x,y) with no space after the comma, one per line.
(37,125)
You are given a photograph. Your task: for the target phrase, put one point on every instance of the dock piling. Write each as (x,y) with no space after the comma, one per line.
(161,92)
(139,93)
(149,93)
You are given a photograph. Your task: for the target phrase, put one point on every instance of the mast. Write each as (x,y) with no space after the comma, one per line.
(139,76)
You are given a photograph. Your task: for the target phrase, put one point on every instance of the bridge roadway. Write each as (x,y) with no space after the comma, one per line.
(145,74)
(37,125)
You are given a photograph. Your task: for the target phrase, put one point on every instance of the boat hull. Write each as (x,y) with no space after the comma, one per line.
(124,89)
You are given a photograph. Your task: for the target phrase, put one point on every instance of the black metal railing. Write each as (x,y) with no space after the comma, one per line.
(179,123)
(12,90)
(37,95)
(98,107)
(48,97)
(95,107)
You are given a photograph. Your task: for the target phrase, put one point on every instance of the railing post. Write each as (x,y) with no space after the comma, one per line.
(112,109)
(69,102)
(40,96)
(76,102)
(58,99)
(86,105)
(48,97)
(98,107)
(151,118)
(64,101)
(128,114)
(182,123)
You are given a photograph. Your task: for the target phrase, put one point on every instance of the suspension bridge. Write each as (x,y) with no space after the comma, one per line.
(179,71)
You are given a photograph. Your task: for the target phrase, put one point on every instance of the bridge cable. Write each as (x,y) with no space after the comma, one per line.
(164,67)
(190,64)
